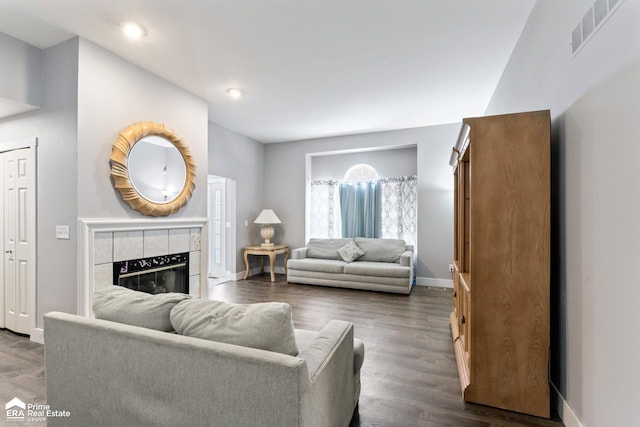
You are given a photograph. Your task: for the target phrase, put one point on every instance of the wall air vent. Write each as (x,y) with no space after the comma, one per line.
(591,22)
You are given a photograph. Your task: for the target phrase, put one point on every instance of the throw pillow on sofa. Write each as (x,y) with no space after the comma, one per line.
(350,252)
(266,326)
(123,305)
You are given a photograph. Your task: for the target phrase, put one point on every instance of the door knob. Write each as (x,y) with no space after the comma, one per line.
(8,251)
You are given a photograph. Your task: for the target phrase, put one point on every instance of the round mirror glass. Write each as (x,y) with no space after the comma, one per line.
(156,169)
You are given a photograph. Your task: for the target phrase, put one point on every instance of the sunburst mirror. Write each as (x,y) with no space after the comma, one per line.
(152,168)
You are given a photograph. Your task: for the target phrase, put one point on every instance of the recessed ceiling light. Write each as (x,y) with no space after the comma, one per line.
(132,30)
(234,93)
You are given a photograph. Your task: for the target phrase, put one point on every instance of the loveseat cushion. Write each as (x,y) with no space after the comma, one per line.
(325,248)
(123,305)
(317,265)
(381,250)
(267,326)
(377,269)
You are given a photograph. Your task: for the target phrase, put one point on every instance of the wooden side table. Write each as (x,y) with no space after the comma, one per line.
(271,252)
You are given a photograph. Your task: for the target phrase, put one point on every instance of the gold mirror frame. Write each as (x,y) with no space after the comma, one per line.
(120,171)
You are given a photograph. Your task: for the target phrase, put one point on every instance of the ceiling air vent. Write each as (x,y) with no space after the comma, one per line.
(591,22)
(600,11)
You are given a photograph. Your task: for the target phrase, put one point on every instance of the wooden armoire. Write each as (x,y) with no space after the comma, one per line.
(500,318)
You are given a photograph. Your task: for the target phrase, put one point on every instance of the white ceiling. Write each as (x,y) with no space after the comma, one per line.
(308,69)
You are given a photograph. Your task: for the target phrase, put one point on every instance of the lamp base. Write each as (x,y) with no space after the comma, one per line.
(267,232)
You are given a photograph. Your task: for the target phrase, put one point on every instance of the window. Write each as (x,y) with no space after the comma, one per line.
(365,205)
(361,172)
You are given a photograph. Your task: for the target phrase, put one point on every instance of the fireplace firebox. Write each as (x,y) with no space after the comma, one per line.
(154,275)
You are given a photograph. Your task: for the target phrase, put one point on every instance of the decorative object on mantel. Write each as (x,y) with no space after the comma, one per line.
(172,178)
(266,218)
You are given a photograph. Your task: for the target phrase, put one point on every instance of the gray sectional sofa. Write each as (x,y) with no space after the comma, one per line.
(108,373)
(386,265)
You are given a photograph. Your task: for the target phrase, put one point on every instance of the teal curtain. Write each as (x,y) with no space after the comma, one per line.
(360,209)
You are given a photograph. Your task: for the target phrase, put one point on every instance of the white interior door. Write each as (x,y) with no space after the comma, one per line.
(222,227)
(217,225)
(19,237)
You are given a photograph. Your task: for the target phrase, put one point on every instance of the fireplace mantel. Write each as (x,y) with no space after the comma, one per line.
(98,237)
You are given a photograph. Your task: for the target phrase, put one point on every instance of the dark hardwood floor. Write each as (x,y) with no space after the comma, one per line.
(409,375)
(21,372)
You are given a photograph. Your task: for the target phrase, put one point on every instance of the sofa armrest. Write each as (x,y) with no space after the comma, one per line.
(299,253)
(406,259)
(322,348)
(332,394)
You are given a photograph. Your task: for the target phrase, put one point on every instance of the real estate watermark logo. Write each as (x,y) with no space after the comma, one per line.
(18,411)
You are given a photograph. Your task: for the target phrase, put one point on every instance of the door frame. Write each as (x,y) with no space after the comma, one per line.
(31,144)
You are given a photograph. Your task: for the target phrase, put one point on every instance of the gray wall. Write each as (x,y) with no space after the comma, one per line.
(55,126)
(113,94)
(235,156)
(286,174)
(21,74)
(388,163)
(89,96)
(595,105)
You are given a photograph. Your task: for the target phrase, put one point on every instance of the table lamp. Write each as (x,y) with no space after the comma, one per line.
(266,218)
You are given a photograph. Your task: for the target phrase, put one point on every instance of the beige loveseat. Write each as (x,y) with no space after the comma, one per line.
(114,374)
(386,265)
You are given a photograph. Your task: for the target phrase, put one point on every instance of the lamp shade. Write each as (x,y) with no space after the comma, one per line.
(267,216)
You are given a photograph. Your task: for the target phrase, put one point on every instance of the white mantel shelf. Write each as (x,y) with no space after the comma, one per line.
(129,224)
(88,227)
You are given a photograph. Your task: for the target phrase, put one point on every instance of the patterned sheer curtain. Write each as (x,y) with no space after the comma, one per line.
(396,200)
(399,205)
(325,210)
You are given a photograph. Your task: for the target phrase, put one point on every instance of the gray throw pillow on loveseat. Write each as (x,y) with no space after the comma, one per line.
(267,326)
(123,305)
(350,252)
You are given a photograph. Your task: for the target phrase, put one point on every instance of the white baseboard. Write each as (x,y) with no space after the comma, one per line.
(37,335)
(431,281)
(239,275)
(568,417)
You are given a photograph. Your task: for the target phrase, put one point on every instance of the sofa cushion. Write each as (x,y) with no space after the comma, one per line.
(325,248)
(381,250)
(377,269)
(350,252)
(123,305)
(317,264)
(267,326)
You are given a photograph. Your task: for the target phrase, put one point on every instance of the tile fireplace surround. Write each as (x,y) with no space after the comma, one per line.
(105,241)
